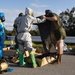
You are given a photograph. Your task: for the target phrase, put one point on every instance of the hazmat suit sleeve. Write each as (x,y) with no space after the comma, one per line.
(37,20)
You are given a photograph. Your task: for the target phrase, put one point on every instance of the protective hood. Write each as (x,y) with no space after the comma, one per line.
(29,11)
(1,14)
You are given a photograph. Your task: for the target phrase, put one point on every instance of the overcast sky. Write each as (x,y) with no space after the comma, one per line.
(12,8)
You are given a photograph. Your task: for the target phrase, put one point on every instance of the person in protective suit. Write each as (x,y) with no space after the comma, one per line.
(16,23)
(45,33)
(24,37)
(58,31)
(2,33)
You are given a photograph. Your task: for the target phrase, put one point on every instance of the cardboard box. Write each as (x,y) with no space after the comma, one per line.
(6,48)
(26,54)
(15,59)
(42,61)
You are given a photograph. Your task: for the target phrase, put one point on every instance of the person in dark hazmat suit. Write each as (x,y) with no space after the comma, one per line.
(59,33)
(45,32)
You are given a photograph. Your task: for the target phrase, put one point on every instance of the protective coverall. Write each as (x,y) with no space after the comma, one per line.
(2,33)
(24,37)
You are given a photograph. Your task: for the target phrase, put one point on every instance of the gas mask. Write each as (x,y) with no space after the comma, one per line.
(2,18)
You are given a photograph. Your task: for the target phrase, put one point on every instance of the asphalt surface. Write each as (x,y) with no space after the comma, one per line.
(67,67)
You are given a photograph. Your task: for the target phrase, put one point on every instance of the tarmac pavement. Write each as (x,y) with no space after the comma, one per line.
(67,67)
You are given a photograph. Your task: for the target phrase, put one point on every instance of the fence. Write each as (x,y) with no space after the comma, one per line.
(68,39)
